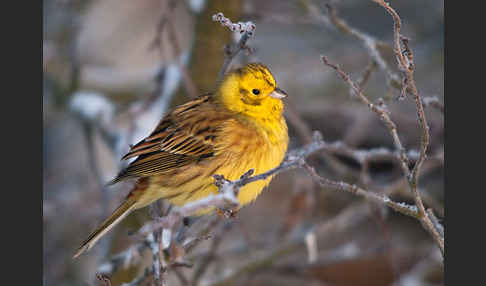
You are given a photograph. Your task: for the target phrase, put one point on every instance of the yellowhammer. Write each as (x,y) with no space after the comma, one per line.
(237,128)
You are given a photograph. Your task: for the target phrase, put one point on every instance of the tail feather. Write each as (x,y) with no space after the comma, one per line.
(121,212)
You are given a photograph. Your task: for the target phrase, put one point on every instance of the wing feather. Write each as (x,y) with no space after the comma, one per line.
(186,135)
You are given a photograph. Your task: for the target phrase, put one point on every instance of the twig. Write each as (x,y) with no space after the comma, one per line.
(188,81)
(124,259)
(434,102)
(346,219)
(295,158)
(103,278)
(139,280)
(406,63)
(156,263)
(371,44)
(399,207)
(246,29)
(224,199)
(210,255)
(365,77)
(382,113)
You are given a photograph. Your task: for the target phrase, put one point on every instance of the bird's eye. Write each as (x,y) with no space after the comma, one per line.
(256,91)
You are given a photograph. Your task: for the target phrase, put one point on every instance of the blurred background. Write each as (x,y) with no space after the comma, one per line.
(112,69)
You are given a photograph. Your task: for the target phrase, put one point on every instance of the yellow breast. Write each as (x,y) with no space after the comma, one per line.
(253,146)
(242,146)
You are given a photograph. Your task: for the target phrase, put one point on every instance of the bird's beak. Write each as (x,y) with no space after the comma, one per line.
(278,93)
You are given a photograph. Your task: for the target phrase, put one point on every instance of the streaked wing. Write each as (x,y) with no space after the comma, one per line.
(184,136)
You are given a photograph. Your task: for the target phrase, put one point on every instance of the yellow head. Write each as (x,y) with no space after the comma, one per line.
(252,91)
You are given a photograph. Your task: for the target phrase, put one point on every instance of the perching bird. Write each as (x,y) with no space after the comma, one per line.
(237,128)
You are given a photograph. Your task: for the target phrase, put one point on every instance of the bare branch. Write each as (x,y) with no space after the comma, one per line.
(405,62)
(123,259)
(104,279)
(434,102)
(382,114)
(246,29)
(371,44)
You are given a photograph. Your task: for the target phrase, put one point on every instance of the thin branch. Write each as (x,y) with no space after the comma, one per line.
(434,102)
(139,280)
(399,207)
(210,255)
(365,77)
(104,279)
(382,113)
(228,190)
(346,219)
(156,263)
(123,259)
(226,198)
(406,63)
(186,78)
(371,44)
(246,29)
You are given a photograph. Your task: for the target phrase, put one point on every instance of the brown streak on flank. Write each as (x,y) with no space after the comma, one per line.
(171,196)
(212,171)
(187,180)
(193,192)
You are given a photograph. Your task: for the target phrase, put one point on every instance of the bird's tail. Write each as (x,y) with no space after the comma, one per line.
(121,212)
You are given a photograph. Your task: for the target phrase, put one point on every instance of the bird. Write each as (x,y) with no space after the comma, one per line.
(237,127)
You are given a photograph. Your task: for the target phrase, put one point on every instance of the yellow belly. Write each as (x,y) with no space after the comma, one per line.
(241,151)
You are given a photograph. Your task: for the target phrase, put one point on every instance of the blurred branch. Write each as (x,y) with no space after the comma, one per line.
(210,255)
(153,244)
(228,190)
(371,44)
(434,102)
(167,19)
(104,279)
(381,112)
(346,219)
(122,259)
(296,158)
(405,62)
